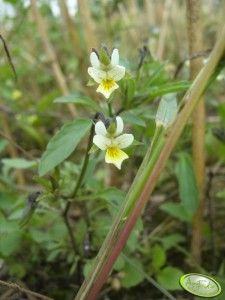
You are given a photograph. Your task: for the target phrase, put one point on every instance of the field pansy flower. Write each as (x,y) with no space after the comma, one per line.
(112,141)
(106,74)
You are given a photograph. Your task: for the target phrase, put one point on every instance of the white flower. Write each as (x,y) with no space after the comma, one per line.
(113,143)
(106,76)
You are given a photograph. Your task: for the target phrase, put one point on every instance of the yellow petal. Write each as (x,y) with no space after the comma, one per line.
(107,86)
(115,156)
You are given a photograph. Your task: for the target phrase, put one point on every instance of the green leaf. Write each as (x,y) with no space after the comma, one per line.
(63,144)
(131,118)
(128,86)
(112,195)
(176,210)
(88,267)
(18,163)
(172,240)
(167,110)
(158,257)
(160,90)
(78,99)
(169,278)
(187,183)
(119,264)
(132,277)
(133,241)
(158,72)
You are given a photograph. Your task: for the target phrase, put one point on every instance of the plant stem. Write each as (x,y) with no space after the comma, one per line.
(127,218)
(74,193)
(198,132)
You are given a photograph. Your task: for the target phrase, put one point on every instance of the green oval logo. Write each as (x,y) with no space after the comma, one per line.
(200,285)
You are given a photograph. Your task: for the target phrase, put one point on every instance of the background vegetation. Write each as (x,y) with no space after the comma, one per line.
(43,249)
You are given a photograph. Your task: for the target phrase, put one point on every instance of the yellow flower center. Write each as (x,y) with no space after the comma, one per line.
(107,83)
(113,152)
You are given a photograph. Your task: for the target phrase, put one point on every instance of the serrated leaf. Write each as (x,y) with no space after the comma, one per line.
(78,99)
(167,110)
(63,144)
(18,163)
(188,190)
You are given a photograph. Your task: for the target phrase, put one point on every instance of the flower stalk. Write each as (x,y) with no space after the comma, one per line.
(145,182)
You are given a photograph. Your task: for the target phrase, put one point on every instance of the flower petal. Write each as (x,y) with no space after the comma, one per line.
(115,156)
(116,73)
(101,141)
(106,89)
(124,140)
(100,128)
(94,60)
(119,125)
(115,57)
(96,74)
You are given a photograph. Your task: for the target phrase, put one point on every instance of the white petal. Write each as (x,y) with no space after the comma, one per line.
(100,128)
(107,90)
(124,140)
(94,60)
(101,141)
(116,73)
(115,57)
(119,125)
(96,74)
(115,156)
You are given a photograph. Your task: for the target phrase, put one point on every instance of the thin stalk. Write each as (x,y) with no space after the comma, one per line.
(80,178)
(127,218)
(75,191)
(198,132)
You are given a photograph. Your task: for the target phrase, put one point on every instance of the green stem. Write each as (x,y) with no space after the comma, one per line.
(140,193)
(83,170)
(79,182)
(110,109)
